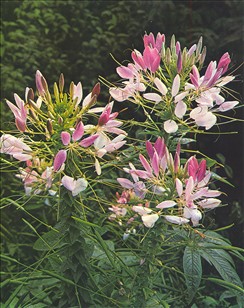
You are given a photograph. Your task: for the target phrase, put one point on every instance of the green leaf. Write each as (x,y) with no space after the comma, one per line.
(192,270)
(218,258)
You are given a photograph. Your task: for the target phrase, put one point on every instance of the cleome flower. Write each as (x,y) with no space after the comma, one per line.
(179,194)
(167,80)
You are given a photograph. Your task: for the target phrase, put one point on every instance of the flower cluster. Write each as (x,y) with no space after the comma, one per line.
(167,80)
(164,188)
(55,142)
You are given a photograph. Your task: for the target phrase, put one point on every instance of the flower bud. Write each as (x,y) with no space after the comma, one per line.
(50,126)
(172,44)
(60,120)
(56,91)
(30,95)
(199,47)
(203,56)
(61,83)
(168,56)
(96,89)
(71,89)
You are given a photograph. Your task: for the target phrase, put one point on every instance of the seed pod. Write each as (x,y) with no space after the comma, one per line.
(50,126)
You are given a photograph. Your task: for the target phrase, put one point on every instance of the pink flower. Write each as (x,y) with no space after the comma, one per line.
(149,40)
(15,147)
(149,60)
(20,113)
(196,170)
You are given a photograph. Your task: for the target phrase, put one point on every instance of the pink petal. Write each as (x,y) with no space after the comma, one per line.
(141,210)
(65,137)
(125,183)
(20,124)
(150,150)
(124,72)
(59,159)
(88,141)
(208,120)
(145,164)
(189,188)
(78,132)
(155,163)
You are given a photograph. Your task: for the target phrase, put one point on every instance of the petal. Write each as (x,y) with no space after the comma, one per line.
(170,126)
(68,182)
(141,210)
(125,183)
(175,85)
(65,137)
(176,219)
(179,187)
(227,106)
(88,141)
(97,167)
(180,109)
(153,97)
(124,72)
(210,203)
(78,132)
(161,86)
(80,185)
(208,120)
(166,204)
(59,159)
(149,220)
(145,163)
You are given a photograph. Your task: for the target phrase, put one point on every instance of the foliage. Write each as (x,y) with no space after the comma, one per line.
(69,245)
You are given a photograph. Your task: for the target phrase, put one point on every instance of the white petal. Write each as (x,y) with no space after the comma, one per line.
(161,86)
(180,109)
(227,106)
(180,96)
(68,182)
(175,85)
(149,220)
(208,120)
(141,210)
(210,203)
(176,219)
(179,187)
(97,167)
(153,97)
(166,204)
(80,185)
(170,126)
(198,112)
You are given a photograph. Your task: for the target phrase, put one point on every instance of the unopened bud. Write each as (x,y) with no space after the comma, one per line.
(30,95)
(168,56)
(203,56)
(71,89)
(49,126)
(61,82)
(163,50)
(172,43)
(184,56)
(56,91)
(44,84)
(192,60)
(199,47)
(96,89)
(60,120)
(33,115)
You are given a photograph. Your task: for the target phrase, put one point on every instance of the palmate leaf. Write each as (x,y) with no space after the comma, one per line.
(192,270)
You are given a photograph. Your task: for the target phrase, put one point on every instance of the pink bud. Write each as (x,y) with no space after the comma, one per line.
(179,62)
(59,159)
(39,83)
(201,170)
